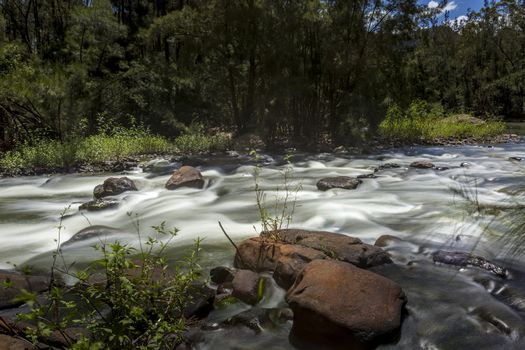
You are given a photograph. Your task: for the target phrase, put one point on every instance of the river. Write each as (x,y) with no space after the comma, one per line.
(447,309)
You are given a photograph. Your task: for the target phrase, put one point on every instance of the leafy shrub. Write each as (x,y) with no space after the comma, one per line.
(138,303)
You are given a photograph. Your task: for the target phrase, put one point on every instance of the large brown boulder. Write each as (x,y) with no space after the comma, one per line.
(287,252)
(114,186)
(344,182)
(186,176)
(284,260)
(12,284)
(336,302)
(335,245)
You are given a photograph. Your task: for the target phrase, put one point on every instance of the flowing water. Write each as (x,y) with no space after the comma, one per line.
(429,210)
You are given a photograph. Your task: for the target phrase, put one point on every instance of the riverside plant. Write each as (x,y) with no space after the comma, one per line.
(109,144)
(428,122)
(131,298)
(277,213)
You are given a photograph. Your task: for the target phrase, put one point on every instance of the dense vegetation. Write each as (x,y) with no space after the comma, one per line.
(306,71)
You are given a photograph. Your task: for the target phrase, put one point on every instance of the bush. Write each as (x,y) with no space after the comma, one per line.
(138,303)
(422,121)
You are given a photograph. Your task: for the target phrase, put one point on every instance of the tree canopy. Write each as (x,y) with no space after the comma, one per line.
(305,70)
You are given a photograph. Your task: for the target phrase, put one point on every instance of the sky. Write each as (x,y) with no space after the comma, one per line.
(456,8)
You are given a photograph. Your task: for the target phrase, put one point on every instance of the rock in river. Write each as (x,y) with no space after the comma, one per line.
(287,252)
(186,176)
(333,301)
(221,275)
(422,165)
(99,204)
(466,259)
(344,182)
(246,286)
(114,186)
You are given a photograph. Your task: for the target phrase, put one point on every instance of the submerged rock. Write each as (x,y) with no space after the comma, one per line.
(344,182)
(386,240)
(367,176)
(96,231)
(422,165)
(186,176)
(259,318)
(515,159)
(99,204)
(336,303)
(463,259)
(114,186)
(388,166)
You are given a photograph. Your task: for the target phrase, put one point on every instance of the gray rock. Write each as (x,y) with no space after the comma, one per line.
(463,259)
(114,186)
(99,204)
(388,166)
(91,232)
(344,182)
(367,176)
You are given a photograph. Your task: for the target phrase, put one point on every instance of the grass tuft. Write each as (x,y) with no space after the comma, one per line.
(422,121)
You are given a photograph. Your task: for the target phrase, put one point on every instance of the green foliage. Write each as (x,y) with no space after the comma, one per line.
(194,140)
(129,299)
(121,144)
(283,68)
(422,121)
(53,154)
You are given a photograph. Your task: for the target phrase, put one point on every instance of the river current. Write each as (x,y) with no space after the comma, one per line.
(428,210)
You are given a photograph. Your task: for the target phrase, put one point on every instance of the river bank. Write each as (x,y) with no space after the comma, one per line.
(241,152)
